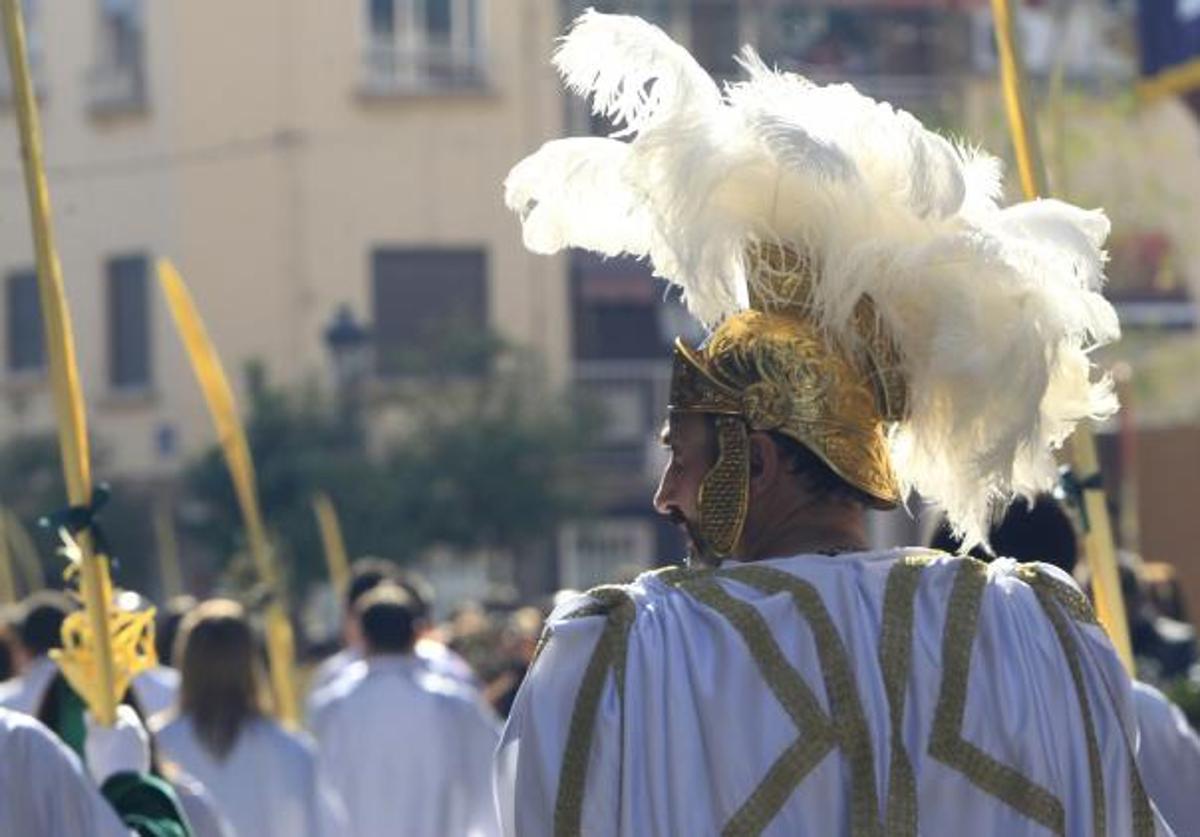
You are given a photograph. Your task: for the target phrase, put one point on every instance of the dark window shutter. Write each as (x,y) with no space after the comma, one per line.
(26,333)
(128,322)
(426,299)
(715,36)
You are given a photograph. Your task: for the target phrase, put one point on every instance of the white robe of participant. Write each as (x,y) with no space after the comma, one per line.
(198,806)
(156,690)
(44,790)
(902,692)
(433,656)
(331,668)
(266,786)
(408,752)
(24,693)
(1169,758)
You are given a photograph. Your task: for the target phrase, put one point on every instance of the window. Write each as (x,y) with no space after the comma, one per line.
(383,18)
(415,45)
(26,333)
(616,304)
(117,80)
(604,551)
(430,304)
(128,323)
(34,47)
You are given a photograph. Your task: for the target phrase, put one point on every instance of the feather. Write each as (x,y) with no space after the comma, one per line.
(631,69)
(993,311)
(571,193)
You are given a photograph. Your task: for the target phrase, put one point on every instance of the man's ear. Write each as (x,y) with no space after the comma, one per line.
(764,463)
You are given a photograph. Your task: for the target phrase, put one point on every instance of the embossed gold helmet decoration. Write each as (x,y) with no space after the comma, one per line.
(864,291)
(769,368)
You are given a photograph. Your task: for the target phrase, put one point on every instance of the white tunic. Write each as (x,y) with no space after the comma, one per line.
(24,693)
(44,791)
(434,656)
(198,806)
(1169,759)
(408,752)
(904,692)
(156,690)
(267,785)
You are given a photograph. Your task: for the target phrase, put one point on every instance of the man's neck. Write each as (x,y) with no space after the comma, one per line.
(829,529)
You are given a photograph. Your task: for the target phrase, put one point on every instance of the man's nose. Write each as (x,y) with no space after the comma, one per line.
(663,494)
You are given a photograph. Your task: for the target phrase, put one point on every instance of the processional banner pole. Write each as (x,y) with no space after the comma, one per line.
(95,583)
(231,435)
(1097,534)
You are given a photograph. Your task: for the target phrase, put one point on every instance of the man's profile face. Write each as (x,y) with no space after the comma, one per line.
(689,439)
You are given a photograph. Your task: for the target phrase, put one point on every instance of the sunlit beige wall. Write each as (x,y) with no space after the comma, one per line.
(261,168)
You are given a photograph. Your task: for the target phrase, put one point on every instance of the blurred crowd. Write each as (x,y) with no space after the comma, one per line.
(399,724)
(401,720)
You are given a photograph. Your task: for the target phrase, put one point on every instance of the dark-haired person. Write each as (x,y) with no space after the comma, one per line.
(409,751)
(38,632)
(63,712)
(365,575)
(262,777)
(1040,527)
(876,322)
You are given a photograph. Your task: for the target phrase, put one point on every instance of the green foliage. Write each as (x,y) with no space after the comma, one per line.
(32,486)
(486,460)
(1185,693)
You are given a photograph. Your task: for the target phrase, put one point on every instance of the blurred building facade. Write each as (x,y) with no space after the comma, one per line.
(298,159)
(293,158)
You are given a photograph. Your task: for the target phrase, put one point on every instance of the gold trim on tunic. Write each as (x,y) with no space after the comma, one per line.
(618,608)
(817,733)
(895,661)
(849,720)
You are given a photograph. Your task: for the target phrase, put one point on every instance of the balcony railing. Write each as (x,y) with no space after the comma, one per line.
(390,69)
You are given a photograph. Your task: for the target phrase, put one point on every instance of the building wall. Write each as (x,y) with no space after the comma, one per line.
(261,167)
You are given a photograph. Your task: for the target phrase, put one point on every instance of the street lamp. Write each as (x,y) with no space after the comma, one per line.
(349,345)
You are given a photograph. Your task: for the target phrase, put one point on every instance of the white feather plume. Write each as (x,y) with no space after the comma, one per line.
(993,310)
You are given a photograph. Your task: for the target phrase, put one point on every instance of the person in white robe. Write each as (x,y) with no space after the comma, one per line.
(156,689)
(203,815)
(366,575)
(409,752)
(263,778)
(876,323)
(1168,758)
(45,790)
(38,631)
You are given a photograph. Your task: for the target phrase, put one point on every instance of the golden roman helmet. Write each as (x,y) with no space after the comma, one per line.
(770,368)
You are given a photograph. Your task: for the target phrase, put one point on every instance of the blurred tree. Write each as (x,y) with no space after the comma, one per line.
(31,486)
(486,460)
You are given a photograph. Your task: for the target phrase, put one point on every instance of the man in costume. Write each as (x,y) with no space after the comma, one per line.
(878,323)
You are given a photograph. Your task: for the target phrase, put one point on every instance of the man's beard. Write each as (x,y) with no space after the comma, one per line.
(697,555)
